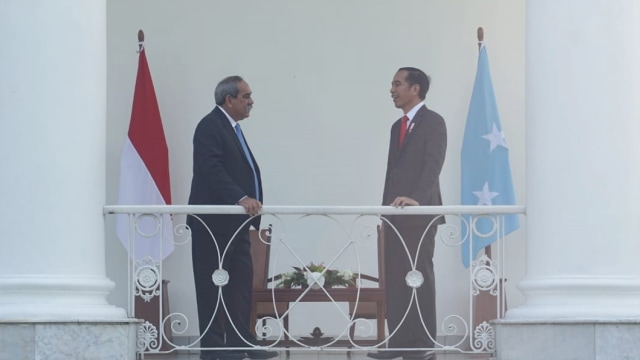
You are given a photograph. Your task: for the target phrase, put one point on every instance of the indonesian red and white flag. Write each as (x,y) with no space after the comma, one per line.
(144,174)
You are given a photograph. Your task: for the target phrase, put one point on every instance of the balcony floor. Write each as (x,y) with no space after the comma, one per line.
(323,356)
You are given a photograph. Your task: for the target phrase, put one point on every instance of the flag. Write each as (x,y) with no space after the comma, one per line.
(486,173)
(144,173)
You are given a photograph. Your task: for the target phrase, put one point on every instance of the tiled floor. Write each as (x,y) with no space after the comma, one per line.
(324,355)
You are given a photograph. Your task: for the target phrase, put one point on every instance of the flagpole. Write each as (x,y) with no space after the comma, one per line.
(480,34)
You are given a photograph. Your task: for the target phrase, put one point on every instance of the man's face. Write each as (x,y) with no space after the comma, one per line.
(404,96)
(240,106)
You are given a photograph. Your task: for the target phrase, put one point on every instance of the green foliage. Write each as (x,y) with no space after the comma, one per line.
(332,278)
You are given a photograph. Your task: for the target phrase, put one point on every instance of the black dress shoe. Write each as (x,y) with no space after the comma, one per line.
(261,354)
(406,355)
(419,355)
(385,354)
(222,355)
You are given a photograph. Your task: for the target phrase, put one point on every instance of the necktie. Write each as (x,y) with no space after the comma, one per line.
(245,148)
(403,130)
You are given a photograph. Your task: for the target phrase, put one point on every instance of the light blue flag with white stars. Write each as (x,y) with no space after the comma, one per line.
(486,173)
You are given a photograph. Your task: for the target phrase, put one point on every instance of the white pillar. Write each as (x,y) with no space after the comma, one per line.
(583,175)
(52,154)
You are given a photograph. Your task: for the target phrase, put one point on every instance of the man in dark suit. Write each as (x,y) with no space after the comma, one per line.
(225,173)
(416,154)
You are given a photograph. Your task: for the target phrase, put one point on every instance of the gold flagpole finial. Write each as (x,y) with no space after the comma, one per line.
(140,40)
(480,37)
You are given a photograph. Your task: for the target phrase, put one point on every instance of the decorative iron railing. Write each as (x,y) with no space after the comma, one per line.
(344,241)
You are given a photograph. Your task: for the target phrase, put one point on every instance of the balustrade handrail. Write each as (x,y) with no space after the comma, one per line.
(317,210)
(471,332)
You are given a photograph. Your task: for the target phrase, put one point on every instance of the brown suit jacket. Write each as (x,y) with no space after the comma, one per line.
(413,170)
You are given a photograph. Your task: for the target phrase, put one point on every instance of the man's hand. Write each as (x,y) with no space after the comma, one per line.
(250,205)
(402,201)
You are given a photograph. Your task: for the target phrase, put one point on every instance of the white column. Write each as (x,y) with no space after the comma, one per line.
(52,154)
(583,159)
(583,180)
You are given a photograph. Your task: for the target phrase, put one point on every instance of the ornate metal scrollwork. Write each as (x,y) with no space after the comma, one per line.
(414,279)
(484,276)
(147,278)
(147,337)
(220,277)
(349,245)
(484,337)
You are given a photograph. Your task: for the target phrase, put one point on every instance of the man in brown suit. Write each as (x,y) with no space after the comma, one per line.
(416,153)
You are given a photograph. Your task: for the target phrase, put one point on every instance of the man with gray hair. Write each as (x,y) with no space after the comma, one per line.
(225,172)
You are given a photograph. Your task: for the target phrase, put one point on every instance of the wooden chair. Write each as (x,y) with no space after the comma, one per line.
(262,301)
(372,304)
(371,301)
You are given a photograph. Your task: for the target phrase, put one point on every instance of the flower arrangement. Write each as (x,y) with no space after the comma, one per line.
(301,278)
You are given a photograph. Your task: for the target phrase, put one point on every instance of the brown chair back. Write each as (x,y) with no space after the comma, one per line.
(260,252)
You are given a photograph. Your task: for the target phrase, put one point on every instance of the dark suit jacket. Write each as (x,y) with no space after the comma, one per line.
(414,169)
(222,174)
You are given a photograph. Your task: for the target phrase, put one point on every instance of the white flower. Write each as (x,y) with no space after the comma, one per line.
(316,277)
(346,274)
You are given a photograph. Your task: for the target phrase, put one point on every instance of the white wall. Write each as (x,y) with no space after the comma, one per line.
(320,72)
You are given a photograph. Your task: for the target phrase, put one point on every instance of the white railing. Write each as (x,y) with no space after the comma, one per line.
(343,238)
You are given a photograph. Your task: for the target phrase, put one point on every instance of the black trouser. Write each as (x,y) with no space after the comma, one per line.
(236,295)
(411,333)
